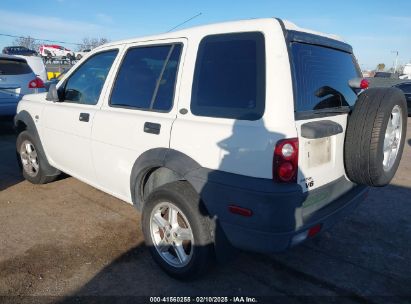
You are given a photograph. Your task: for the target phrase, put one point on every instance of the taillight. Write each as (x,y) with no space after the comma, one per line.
(36,83)
(285,163)
(364,84)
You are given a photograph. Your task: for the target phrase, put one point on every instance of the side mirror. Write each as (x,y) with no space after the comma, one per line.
(52,94)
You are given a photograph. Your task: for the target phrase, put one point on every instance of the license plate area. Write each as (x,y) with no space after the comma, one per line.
(318,151)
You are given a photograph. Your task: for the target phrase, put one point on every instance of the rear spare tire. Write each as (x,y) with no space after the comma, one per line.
(375,136)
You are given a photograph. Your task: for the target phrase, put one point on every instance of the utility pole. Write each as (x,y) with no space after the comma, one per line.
(396,61)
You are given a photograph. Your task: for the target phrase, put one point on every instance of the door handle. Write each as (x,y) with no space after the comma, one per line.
(84,117)
(151,127)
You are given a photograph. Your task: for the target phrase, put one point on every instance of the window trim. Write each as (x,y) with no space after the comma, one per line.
(172,44)
(68,76)
(263,74)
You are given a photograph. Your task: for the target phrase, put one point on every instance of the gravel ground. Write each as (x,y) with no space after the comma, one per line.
(66,240)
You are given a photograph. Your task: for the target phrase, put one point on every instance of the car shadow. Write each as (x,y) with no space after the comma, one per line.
(371,242)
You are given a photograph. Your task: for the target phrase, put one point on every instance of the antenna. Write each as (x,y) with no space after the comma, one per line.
(178,25)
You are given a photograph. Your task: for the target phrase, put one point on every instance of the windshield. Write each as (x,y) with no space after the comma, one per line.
(321,77)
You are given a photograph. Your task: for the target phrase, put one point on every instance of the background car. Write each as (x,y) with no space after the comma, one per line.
(386,75)
(80,54)
(16,80)
(406,88)
(36,63)
(18,50)
(54,50)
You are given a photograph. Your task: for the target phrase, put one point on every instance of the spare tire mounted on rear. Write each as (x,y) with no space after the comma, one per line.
(375,136)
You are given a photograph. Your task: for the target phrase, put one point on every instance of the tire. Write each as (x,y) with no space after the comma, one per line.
(182,198)
(78,57)
(364,157)
(34,165)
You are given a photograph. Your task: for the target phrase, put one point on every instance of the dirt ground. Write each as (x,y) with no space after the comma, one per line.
(66,240)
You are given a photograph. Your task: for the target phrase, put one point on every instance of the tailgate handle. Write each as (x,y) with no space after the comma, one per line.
(320,129)
(151,127)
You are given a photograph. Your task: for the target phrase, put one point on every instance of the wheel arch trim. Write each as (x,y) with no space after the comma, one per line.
(27,119)
(168,158)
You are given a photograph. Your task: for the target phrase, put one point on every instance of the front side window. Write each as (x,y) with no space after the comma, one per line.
(85,84)
(147,77)
(229,78)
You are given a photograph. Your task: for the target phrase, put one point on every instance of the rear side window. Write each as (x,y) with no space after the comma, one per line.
(229,77)
(147,77)
(14,67)
(321,77)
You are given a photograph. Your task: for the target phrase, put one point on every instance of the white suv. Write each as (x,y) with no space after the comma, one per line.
(253,134)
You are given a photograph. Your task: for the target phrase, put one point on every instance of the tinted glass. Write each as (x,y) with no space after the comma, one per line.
(146,78)
(321,77)
(14,67)
(165,93)
(406,88)
(229,79)
(85,84)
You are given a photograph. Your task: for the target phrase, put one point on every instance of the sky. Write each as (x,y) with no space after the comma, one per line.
(376,29)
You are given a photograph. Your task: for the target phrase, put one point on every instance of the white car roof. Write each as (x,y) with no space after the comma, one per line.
(216,27)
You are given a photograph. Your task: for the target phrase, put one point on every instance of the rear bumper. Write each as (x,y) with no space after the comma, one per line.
(8,107)
(268,242)
(281,213)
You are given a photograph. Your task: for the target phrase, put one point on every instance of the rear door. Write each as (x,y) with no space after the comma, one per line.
(138,112)
(15,75)
(323,100)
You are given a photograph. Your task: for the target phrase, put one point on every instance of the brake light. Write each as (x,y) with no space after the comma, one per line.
(36,83)
(313,231)
(285,163)
(364,84)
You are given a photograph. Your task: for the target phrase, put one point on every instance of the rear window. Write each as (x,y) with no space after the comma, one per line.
(229,78)
(14,67)
(321,77)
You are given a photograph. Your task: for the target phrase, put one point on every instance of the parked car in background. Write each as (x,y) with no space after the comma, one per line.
(80,54)
(406,88)
(16,80)
(19,50)
(386,75)
(36,63)
(54,50)
(406,73)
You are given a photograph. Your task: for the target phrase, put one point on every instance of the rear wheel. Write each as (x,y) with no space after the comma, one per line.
(177,230)
(375,136)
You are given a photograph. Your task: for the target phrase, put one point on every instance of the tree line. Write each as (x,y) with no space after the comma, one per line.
(88,43)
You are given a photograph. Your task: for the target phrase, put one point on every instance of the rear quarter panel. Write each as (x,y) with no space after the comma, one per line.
(239,146)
